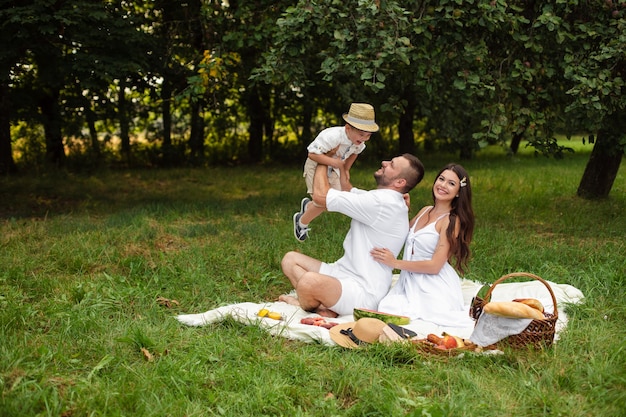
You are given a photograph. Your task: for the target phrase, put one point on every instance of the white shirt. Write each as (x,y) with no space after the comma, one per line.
(379,219)
(331,138)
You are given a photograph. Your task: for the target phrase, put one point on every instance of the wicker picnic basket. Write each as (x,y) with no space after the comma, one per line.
(539,333)
(424,346)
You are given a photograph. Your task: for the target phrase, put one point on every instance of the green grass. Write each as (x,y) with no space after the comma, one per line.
(84,259)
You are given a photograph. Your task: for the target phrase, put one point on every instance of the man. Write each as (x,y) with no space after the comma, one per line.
(379,219)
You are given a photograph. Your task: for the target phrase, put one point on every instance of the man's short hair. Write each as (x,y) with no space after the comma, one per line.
(414,174)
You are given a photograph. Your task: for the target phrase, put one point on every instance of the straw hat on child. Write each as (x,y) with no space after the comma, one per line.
(361,116)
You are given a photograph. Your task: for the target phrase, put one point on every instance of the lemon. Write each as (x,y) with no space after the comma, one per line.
(274,315)
(264,312)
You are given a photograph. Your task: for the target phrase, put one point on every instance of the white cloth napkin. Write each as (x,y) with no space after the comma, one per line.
(491,329)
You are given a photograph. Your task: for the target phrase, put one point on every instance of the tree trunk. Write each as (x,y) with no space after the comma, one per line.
(466,149)
(7,164)
(466,153)
(51,116)
(307,119)
(255,130)
(90,115)
(603,164)
(196,137)
(166,114)
(515,141)
(405,126)
(268,122)
(122,111)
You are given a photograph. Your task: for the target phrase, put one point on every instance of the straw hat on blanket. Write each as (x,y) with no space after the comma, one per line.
(357,333)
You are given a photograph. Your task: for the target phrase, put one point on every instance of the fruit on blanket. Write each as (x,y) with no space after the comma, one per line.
(274,315)
(263,312)
(449,342)
(317,321)
(359,313)
(532,302)
(513,309)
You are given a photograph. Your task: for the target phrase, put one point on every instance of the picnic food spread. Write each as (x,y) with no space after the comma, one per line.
(269,314)
(318,321)
(448,341)
(515,309)
(386,317)
(532,302)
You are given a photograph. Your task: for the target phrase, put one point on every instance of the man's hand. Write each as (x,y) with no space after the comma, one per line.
(344,180)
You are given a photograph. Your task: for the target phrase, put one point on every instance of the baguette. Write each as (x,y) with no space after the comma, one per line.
(433,338)
(532,302)
(513,309)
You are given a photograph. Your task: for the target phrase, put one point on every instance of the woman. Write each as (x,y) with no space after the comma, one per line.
(429,287)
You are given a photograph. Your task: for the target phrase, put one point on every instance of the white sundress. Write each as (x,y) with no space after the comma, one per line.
(434,298)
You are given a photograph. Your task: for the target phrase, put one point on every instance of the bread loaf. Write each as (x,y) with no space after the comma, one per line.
(433,338)
(513,309)
(531,302)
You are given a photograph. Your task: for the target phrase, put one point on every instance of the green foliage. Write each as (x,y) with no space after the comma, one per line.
(87,259)
(482,71)
(192,84)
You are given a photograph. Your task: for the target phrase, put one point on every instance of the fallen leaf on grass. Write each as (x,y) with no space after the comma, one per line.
(147,355)
(167,302)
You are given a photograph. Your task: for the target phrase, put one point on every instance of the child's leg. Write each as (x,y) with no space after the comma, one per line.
(312,209)
(300,230)
(311,212)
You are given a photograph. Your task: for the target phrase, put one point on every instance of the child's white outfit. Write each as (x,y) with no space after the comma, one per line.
(330,139)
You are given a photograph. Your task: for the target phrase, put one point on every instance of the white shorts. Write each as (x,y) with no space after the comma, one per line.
(352,294)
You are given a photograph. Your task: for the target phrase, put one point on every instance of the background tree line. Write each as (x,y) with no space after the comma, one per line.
(202,82)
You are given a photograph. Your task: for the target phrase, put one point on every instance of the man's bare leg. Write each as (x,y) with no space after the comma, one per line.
(321,310)
(316,291)
(295,264)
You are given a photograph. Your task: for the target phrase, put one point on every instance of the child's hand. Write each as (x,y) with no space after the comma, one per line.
(340,164)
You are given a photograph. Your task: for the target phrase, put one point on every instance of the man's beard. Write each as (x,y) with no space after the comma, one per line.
(381,180)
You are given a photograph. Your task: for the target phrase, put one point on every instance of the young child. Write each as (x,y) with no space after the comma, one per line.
(336,147)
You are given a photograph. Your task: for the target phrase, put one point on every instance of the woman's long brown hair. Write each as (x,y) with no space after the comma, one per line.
(462,211)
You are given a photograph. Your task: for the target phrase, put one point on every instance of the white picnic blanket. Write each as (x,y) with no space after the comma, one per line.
(291,328)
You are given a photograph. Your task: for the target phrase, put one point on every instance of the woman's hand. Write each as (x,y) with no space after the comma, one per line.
(407,200)
(384,256)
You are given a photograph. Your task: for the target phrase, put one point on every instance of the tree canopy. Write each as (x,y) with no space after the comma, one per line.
(221,82)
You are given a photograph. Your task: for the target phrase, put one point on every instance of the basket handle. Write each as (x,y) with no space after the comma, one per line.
(526,275)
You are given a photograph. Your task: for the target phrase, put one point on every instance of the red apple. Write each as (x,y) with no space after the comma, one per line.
(449,342)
